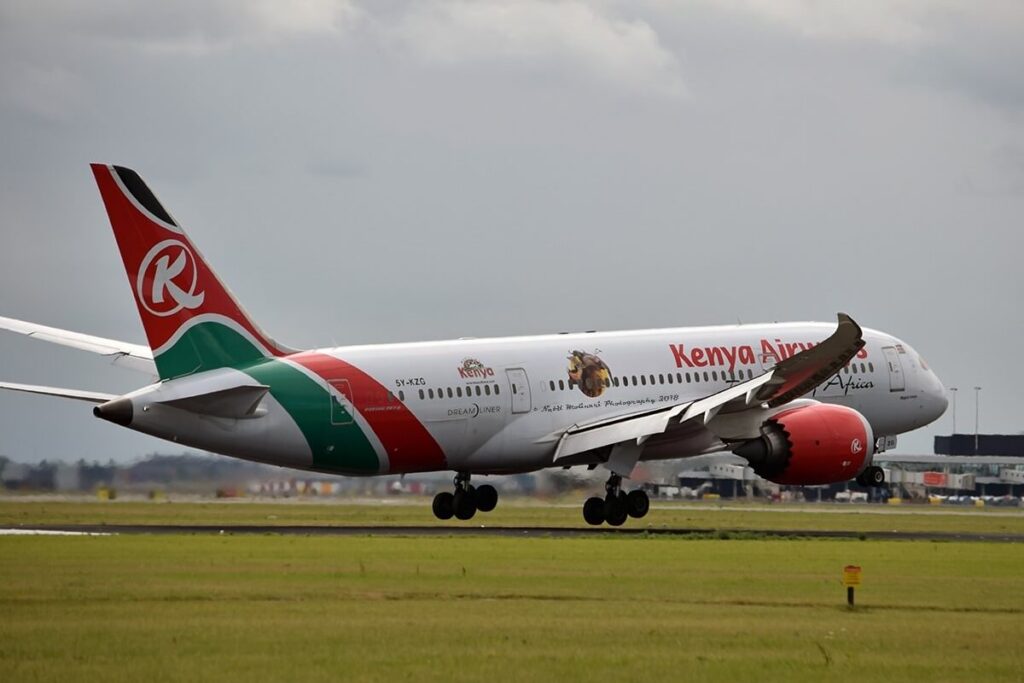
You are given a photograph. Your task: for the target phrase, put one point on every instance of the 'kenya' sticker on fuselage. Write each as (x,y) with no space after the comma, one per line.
(471,368)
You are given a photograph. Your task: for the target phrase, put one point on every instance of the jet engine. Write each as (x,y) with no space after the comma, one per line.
(816,444)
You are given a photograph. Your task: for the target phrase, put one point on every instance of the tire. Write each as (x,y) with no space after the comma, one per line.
(444,505)
(638,504)
(465,504)
(875,476)
(615,510)
(593,511)
(486,498)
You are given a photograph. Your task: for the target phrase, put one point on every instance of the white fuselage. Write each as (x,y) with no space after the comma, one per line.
(501,405)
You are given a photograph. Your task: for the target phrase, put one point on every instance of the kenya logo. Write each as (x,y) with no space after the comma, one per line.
(471,368)
(167,279)
(855,446)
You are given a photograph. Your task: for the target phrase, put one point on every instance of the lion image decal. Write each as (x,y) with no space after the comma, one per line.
(589,373)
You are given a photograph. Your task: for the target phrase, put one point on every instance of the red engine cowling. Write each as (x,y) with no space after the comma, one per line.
(818,444)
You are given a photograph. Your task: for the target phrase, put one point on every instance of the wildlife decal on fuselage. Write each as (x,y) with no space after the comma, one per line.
(589,373)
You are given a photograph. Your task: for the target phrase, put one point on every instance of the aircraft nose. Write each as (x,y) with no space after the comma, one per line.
(935,398)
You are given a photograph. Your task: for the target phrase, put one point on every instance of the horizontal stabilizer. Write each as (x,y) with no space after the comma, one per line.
(132,356)
(78,395)
(236,402)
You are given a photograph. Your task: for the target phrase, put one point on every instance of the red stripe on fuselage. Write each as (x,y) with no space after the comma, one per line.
(410,447)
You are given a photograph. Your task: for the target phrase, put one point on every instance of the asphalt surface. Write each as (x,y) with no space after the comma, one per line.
(508,531)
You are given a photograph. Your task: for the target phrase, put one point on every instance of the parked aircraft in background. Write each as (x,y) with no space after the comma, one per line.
(804,403)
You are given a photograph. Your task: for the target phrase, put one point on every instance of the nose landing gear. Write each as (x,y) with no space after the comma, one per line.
(617,505)
(466,500)
(871,476)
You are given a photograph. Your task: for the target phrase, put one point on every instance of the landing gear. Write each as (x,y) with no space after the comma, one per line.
(616,506)
(871,476)
(638,503)
(465,501)
(593,511)
(486,498)
(444,505)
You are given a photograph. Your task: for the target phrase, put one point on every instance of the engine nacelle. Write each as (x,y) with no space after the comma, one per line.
(818,444)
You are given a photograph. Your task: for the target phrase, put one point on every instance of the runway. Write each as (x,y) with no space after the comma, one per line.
(503,531)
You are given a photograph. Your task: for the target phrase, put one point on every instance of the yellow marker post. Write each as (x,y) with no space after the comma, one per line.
(851,579)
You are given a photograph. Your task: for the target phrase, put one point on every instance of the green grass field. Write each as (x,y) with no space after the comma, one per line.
(271,607)
(528,512)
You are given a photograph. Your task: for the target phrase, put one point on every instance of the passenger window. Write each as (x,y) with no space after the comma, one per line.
(430,393)
(401,396)
(661,379)
(615,381)
(643,380)
(458,391)
(871,367)
(450,393)
(862,370)
(478,392)
(706,376)
(750,374)
(669,378)
(714,375)
(421,394)
(696,377)
(853,368)
(487,389)
(497,390)
(561,385)
(552,383)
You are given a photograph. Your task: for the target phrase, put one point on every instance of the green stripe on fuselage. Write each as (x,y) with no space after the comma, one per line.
(335,440)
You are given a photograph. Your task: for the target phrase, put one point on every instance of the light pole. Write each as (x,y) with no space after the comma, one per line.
(977,400)
(952,391)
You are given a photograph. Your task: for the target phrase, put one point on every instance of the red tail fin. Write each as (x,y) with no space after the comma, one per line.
(191,320)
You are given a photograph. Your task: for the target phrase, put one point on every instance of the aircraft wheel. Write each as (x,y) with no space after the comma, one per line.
(444,505)
(486,498)
(593,511)
(874,476)
(465,504)
(637,503)
(615,510)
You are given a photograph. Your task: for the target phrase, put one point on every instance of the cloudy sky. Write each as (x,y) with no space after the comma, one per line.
(362,172)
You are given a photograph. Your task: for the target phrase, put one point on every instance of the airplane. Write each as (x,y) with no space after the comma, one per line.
(802,403)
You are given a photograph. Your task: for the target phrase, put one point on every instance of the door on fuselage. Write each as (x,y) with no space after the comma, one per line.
(896,380)
(341,410)
(519,386)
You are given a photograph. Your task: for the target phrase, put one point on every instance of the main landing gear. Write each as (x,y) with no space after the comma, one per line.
(617,505)
(466,500)
(871,476)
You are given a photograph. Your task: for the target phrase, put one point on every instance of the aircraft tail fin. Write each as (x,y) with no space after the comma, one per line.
(192,321)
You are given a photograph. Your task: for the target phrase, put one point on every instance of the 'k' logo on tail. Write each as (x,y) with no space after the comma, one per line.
(191,320)
(165,287)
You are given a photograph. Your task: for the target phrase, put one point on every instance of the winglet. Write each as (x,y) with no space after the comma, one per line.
(798,374)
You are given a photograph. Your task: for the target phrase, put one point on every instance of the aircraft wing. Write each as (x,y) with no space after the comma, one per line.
(77,394)
(787,380)
(132,356)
